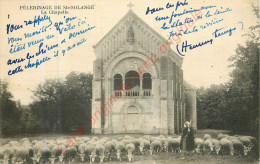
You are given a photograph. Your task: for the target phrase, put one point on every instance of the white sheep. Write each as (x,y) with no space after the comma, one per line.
(109,149)
(136,143)
(120,149)
(82,151)
(207,136)
(220,136)
(226,146)
(164,143)
(238,147)
(85,139)
(230,138)
(155,146)
(24,140)
(130,148)
(62,149)
(173,144)
(101,152)
(199,144)
(6,153)
(247,144)
(216,145)
(43,154)
(71,153)
(144,145)
(208,146)
(54,154)
(154,139)
(91,150)
(20,155)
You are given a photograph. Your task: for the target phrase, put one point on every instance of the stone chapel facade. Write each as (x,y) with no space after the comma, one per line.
(157,100)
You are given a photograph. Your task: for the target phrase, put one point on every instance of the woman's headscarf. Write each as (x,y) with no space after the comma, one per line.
(187,125)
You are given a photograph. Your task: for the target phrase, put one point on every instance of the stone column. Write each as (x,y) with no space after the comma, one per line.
(95,119)
(164,95)
(191,106)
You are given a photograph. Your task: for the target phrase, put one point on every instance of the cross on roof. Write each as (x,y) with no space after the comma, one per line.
(130,5)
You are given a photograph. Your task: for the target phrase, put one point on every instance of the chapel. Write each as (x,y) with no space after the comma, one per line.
(142,87)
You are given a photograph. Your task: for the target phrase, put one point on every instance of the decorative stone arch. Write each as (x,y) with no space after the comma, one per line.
(125,55)
(132,103)
(132,119)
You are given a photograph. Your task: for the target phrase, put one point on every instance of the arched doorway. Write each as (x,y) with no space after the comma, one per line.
(132,120)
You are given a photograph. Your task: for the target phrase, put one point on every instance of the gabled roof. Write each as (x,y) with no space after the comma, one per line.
(131,13)
(137,18)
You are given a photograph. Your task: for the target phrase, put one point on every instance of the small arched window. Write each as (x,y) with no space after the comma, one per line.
(147,81)
(133,80)
(118,82)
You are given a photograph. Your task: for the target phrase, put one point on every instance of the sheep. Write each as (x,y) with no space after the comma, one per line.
(20,155)
(130,148)
(71,153)
(144,145)
(54,154)
(82,152)
(199,144)
(238,147)
(136,143)
(91,150)
(24,139)
(13,143)
(127,137)
(1,155)
(101,152)
(43,154)
(62,149)
(154,139)
(109,149)
(85,139)
(6,153)
(216,145)
(208,146)
(220,136)
(173,144)
(147,137)
(230,138)
(207,136)
(120,149)
(226,146)
(247,144)
(164,143)
(253,140)
(34,142)
(155,146)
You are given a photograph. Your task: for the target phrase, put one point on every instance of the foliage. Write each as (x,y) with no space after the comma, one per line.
(62,106)
(10,115)
(235,105)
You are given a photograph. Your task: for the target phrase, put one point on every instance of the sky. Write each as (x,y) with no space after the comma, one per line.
(203,66)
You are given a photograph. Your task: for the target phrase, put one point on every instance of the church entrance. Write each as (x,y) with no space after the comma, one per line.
(132,121)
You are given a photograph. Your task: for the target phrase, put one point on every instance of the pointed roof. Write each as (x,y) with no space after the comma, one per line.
(131,13)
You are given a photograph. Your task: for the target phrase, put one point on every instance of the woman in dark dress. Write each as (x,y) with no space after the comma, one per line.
(187,139)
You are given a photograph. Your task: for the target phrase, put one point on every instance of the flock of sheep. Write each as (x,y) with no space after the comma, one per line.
(96,149)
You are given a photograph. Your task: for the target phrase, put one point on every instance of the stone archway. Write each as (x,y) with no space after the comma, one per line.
(132,119)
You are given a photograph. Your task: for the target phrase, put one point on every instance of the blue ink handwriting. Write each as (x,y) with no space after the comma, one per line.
(220,32)
(37,20)
(185,45)
(153,10)
(11,28)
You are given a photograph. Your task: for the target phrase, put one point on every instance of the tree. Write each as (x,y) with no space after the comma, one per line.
(10,115)
(62,105)
(235,105)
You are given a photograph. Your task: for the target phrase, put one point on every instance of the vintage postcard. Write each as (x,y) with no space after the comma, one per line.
(108,81)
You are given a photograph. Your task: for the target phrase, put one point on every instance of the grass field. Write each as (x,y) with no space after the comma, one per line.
(161,157)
